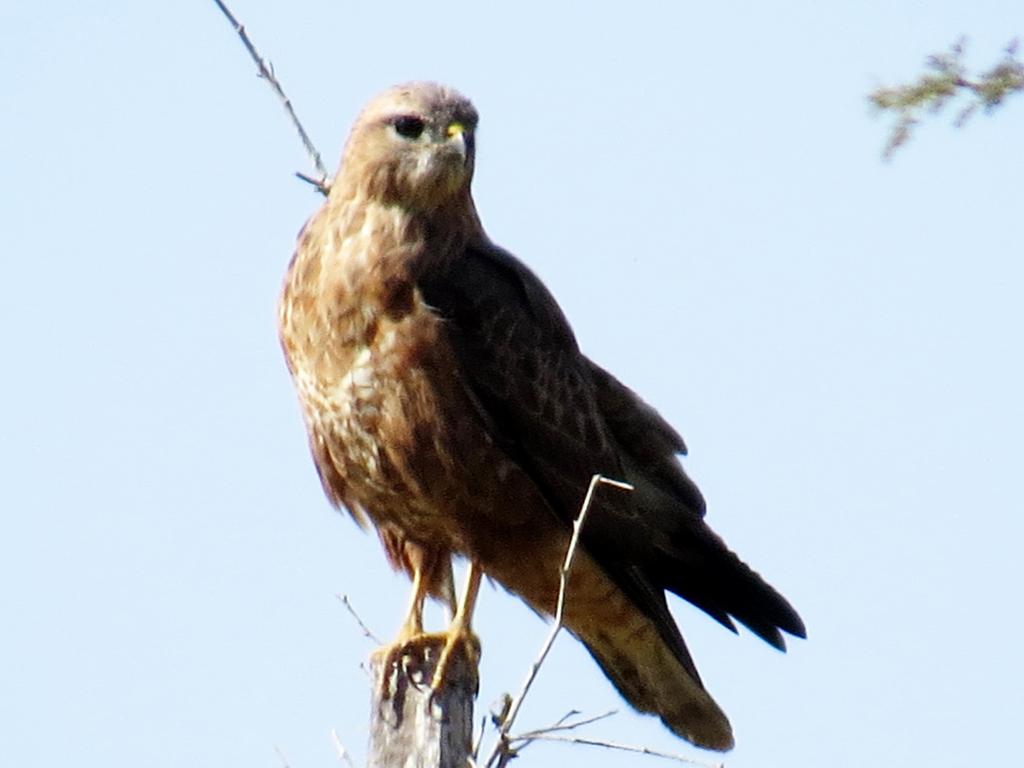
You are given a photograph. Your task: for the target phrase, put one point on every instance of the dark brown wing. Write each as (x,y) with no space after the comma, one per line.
(687,557)
(536,395)
(562,418)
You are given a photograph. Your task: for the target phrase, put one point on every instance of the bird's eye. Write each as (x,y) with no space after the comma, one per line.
(409,126)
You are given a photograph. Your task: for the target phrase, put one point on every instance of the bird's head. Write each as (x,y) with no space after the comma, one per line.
(413,146)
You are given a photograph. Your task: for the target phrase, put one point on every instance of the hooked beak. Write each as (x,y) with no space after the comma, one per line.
(462,139)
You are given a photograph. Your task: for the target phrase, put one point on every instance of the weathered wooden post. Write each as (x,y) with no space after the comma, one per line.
(410,725)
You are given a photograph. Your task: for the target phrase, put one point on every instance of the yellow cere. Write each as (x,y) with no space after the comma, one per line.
(456,128)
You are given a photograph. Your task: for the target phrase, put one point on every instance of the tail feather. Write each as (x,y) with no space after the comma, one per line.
(626,626)
(632,637)
(649,676)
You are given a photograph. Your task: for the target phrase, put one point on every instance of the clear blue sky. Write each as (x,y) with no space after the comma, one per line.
(839,340)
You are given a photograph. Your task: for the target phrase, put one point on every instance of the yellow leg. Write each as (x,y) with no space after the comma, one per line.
(412,627)
(413,624)
(451,606)
(459,633)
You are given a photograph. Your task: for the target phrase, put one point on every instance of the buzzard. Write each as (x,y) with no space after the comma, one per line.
(448,405)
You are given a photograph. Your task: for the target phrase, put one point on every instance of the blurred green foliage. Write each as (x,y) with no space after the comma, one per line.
(945,80)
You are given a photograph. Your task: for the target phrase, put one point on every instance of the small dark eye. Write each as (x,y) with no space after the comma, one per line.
(409,126)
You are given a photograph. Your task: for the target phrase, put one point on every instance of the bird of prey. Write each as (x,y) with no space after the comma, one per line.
(448,405)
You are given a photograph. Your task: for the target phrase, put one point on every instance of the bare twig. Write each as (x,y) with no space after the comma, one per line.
(284,760)
(366,630)
(523,740)
(479,741)
(322,185)
(561,725)
(626,748)
(340,750)
(502,751)
(266,71)
(566,716)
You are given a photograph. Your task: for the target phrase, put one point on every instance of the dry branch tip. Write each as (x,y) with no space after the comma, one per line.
(352,612)
(265,70)
(503,751)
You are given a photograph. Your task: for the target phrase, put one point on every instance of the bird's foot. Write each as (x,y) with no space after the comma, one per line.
(410,653)
(409,645)
(457,640)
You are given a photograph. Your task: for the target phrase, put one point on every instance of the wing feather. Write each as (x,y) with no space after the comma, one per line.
(562,418)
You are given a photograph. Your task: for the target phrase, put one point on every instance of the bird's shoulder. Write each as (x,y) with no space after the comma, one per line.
(488,290)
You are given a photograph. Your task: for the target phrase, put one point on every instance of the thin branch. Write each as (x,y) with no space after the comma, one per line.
(561,725)
(284,760)
(366,630)
(340,750)
(627,748)
(322,184)
(566,716)
(523,740)
(502,753)
(266,71)
(479,741)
